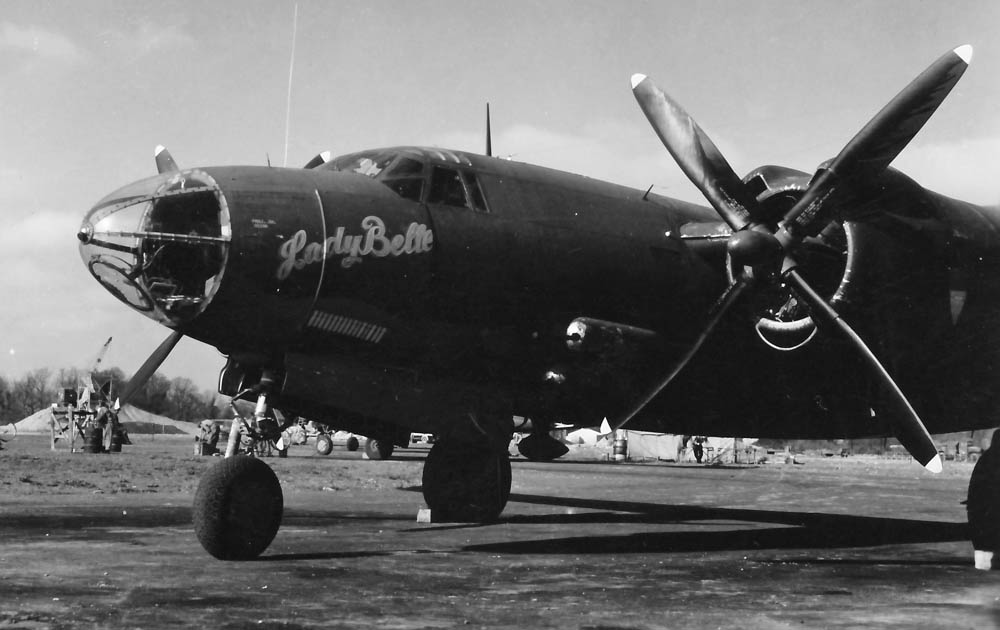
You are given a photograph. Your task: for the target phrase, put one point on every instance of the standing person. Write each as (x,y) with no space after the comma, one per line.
(698,448)
(106,420)
(983,506)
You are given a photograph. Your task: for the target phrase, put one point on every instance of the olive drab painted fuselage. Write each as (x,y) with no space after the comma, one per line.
(405,286)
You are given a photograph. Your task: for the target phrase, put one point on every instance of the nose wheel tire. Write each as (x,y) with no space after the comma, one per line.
(466,483)
(238,508)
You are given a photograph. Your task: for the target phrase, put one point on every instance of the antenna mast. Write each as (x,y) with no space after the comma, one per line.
(489,140)
(291,68)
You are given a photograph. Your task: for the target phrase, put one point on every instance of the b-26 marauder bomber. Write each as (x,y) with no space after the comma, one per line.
(414,289)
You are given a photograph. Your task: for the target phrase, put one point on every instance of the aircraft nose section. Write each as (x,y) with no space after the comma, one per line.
(160,244)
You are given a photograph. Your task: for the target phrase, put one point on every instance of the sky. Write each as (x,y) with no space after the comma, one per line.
(89,88)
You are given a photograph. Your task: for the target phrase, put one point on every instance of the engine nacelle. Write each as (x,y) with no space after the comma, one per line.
(596,336)
(827,260)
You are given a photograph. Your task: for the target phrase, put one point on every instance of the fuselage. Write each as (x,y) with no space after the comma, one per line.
(404,286)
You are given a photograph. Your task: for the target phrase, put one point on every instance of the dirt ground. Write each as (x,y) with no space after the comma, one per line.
(105,541)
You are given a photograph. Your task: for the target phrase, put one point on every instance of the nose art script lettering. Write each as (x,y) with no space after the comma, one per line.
(297,253)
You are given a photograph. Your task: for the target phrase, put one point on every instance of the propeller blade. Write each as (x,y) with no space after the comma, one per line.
(164,162)
(695,153)
(721,306)
(910,430)
(877,144)
(150,366)
(318,160)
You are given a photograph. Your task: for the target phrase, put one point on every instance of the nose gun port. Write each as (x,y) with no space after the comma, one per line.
(160,245)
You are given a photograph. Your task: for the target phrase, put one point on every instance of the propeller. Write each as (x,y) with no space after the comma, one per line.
(318,160)
(695,153)
(766,253)
(164,161)
(149,367)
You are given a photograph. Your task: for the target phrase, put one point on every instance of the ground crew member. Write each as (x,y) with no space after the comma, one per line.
(698,448)
(209,437)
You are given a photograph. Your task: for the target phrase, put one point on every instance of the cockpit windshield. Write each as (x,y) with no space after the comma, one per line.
(414,174)
(402,173)
(160,244)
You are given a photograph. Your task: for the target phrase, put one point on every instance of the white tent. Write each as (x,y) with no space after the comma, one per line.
(585,437)
(135,421)
(38,422)
(660,446)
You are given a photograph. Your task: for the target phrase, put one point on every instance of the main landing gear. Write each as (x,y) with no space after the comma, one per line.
(466,482)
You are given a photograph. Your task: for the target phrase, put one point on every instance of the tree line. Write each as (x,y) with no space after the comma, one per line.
(176,398)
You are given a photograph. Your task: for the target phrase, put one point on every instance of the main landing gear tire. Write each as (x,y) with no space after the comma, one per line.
(378,449)
(324,445)
(352,444)
(466,483)
(237,508)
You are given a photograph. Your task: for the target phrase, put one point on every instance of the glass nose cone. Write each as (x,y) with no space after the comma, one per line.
(160,244)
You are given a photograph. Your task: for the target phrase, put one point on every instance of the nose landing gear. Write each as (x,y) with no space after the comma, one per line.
(239,504)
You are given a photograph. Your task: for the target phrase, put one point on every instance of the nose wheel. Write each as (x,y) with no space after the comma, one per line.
(238,508)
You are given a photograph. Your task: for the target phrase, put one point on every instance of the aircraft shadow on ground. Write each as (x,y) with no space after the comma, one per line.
(797,529)
(93,518)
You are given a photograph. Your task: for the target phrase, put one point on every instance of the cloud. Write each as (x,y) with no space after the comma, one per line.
(39,42)
(56,315)
(626,154)
(146,36)
(965,169)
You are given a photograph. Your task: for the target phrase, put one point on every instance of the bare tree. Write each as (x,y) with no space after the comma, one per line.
(6,400)
(185,401)
(33,391)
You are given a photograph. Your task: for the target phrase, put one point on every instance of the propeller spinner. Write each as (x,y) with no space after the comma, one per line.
(766,253)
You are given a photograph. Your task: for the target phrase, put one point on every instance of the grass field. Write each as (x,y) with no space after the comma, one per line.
(167,464)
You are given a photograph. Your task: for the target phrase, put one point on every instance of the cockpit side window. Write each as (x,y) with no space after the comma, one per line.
(475,192)
(406,167)
(447,188)
(405,177)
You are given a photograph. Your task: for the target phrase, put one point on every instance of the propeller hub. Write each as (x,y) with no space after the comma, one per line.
(752,248)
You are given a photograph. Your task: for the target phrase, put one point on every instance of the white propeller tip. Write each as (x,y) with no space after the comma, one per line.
(934,465)
(637,79)
(159,149)
(965,53)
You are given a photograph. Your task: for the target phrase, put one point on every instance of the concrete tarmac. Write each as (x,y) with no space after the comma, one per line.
(831,544)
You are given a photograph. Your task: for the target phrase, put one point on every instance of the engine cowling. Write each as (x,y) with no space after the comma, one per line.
(829,260)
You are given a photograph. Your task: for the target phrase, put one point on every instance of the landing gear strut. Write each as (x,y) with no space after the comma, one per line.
(466,482)
(238,505)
